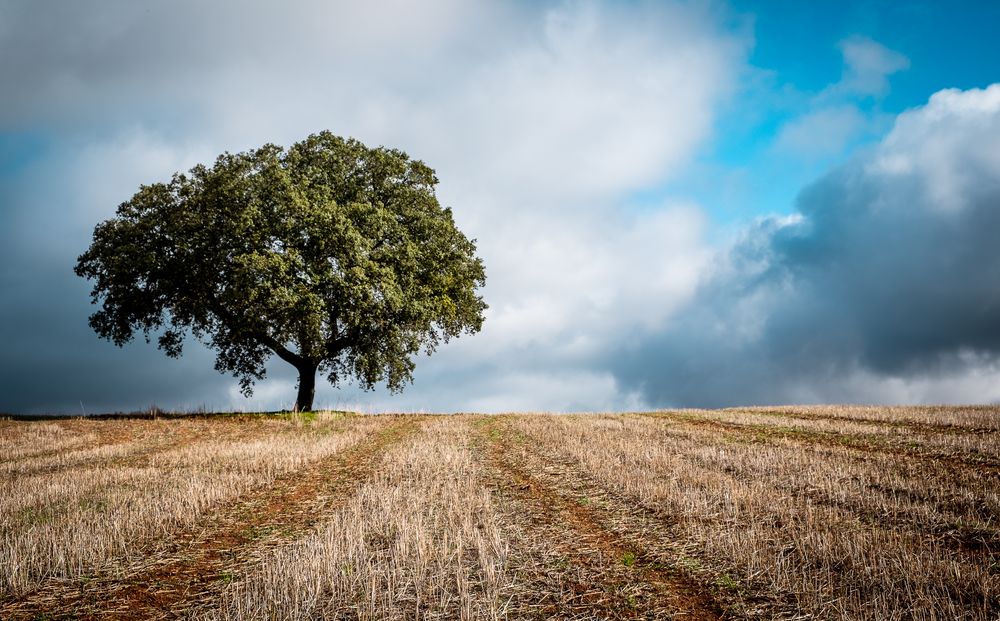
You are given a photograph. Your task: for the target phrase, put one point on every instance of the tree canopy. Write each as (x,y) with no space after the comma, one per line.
(334,256)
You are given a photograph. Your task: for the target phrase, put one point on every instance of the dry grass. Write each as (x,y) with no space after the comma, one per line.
(98,505)
(967,418)
(421,539)
(822,513)
(972,440)
(826,530)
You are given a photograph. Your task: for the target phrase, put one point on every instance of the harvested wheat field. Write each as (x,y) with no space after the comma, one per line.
(779,513)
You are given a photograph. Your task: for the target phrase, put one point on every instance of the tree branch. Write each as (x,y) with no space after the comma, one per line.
(265,339)
(338,344)
(282,352)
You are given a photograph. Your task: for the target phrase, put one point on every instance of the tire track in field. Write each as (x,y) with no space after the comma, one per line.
(136,455)
(199,562)
(141,451)
(744,594)
(955,531)
(915,426)
(963,537)
(860,443)
(665,592)
(140,439)
(104,438)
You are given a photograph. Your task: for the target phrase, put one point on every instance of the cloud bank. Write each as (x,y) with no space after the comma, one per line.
(883,286)
(540,119)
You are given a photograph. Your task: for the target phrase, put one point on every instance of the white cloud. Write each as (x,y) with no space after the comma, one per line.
(867,66)
(541,120)
(822,133)
(949,145)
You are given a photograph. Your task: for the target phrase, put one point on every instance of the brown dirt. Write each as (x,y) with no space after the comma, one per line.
(195,565)
(652,589)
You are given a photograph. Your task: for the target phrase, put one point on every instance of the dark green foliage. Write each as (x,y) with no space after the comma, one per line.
(332,255)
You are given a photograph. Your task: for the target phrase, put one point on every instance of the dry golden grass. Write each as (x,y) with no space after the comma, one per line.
(965,418)
(67,522)
(828,530)
(795,513)
(421,538)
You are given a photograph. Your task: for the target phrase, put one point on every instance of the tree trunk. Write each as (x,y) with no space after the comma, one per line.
(307,388)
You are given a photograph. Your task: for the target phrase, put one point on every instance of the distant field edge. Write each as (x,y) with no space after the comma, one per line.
(157,414)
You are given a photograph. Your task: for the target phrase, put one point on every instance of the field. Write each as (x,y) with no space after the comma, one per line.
(780,513)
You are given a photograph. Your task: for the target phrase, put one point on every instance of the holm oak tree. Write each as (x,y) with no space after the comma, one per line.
(334,256)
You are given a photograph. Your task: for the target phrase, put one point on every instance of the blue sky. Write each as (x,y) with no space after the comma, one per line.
(678,203)
(796,54)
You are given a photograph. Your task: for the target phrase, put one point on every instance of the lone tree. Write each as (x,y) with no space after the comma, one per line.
(332,255)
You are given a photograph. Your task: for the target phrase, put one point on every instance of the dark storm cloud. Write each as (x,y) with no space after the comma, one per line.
(890,271)
(52,362)
(49,357)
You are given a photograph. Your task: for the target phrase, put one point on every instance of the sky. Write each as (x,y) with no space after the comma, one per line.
(679,204)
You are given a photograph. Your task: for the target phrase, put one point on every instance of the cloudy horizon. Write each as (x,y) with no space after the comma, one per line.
(677,203)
